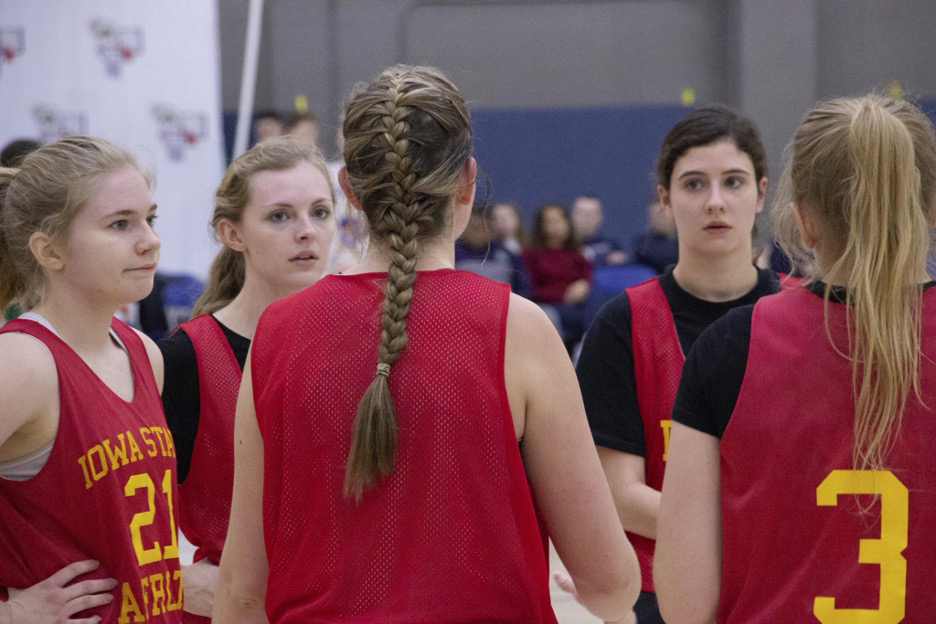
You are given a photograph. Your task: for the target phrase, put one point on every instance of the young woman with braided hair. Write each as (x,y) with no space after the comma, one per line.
(801,484)
(400,489)
(274,215)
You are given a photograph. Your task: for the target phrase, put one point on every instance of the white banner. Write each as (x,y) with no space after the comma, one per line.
(144,75)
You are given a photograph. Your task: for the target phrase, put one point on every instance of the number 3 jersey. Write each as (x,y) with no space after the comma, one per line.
(806,537)
(107,491)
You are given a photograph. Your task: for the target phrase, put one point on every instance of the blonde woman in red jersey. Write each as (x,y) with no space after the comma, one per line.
(807,492)
(274,214)
(87,463)
(415,502)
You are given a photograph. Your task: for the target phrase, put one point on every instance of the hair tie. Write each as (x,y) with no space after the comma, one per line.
(383,369)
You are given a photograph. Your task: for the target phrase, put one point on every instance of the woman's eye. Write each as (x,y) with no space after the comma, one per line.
(734,182)
(321,213)
(277,216)
(151,220)
(693,185)
(120,225)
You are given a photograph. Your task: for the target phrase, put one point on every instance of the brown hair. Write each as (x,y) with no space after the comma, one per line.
(44,195)
(226,276)
(407,139)
(865,170)
(538,231)
(705,126)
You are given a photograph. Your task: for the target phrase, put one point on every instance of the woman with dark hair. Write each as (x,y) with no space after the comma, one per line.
(396,422)
(712,178)
(802,481)
(558,272)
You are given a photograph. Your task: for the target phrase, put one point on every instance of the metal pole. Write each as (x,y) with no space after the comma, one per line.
(248,77)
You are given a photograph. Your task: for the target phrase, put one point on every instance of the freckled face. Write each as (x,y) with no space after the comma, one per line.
(714,197)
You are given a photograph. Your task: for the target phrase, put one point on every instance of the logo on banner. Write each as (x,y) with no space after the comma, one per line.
(12,44)
(116,46)
(55,124)
(180,131)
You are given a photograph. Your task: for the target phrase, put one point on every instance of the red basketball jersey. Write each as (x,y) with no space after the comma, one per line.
(805,539)
(107,491)
(205,496)
(451,535)
(658,362)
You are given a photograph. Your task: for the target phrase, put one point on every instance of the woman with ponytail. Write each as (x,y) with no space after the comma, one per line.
(274,215)
(399,420)
(87,467)
(801,481)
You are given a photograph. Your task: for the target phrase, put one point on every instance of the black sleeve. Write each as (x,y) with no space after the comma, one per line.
(180,396)
(605,372)
(711,378)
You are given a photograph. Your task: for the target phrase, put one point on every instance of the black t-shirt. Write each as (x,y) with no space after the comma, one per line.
(606,364)
(714,369)
(181,397)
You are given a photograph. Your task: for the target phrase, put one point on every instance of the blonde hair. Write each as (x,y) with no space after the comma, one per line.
(865,169)
(226,276)
(44,195)
(407,139)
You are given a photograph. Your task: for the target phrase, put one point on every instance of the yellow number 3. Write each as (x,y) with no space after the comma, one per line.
(885,551)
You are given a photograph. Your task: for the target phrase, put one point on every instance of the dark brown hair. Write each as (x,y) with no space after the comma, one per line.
(705,126)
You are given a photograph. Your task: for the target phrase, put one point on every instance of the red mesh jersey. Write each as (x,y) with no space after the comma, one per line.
(794,535)
(451,535)
(205,496)
(658,362)
(107,491)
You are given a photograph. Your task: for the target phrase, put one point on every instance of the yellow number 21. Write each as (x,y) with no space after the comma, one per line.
(885,551)
(146,518)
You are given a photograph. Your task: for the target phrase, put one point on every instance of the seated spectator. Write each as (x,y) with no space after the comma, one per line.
(657,247)
(478,252)
(587,217)
(560,275)
(508,226)
(267,124)
(303,125)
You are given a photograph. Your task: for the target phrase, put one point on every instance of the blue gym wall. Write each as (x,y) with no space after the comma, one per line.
(536,156)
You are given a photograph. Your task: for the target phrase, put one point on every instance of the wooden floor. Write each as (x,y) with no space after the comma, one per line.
(567,610)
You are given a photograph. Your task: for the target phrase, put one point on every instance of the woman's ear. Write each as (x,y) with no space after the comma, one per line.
(230,235)
(466,191)
(346,188)
(806,225)
(46,252)
(761,194)
(663,194)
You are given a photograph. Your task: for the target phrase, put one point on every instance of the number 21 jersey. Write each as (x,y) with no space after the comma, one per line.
(107,491)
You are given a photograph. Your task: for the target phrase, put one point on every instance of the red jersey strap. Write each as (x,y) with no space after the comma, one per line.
(788,282)
(205,496)
(658,362)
